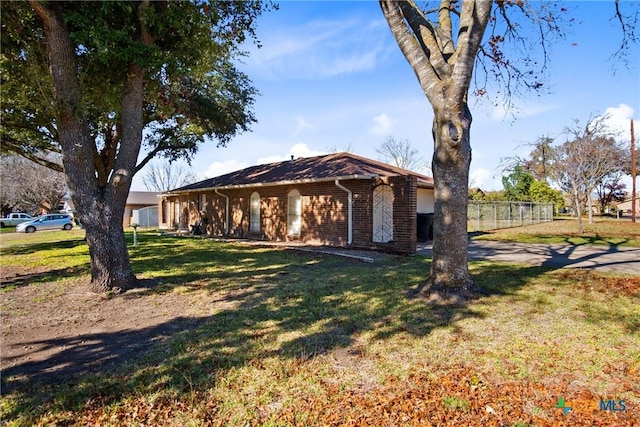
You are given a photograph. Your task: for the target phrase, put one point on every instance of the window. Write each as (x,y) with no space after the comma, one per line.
(254,213)
(176,214)
(202,202)
(294,217)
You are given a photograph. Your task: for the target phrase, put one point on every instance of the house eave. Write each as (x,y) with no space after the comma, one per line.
(269,184)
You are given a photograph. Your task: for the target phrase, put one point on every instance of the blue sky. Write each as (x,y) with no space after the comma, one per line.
(332,78)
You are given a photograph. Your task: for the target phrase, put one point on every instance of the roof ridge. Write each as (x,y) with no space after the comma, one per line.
(304,168)
(387,165)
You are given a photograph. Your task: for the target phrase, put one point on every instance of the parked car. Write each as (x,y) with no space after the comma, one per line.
(47,222)
(14,219)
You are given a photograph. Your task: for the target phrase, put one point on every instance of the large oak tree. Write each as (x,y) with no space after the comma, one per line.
(451,44)
(103,82)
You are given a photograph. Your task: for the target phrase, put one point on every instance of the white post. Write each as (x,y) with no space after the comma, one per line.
(135,234)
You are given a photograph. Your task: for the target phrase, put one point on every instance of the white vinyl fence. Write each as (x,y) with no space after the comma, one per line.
(483,215)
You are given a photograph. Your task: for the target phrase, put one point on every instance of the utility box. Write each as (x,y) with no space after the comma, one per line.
(425,227)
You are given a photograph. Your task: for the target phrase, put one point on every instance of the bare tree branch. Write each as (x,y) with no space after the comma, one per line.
(402,154)
(34,157)
(164,176)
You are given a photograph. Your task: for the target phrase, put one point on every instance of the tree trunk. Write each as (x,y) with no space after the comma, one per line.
(590,207)
(444,70)
(578,210)
(451,159)
(99,200)
(110,267)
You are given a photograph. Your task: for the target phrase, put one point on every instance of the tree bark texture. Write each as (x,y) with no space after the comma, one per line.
(442,58)
(451,161)
(100,207)
(576,199)
(110,267)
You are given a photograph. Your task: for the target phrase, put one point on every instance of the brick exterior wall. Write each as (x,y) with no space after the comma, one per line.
(324,216)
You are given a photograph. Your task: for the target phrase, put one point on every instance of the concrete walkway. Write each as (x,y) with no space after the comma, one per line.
(601,258)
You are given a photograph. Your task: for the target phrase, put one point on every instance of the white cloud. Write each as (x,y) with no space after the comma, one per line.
(483,178)
(382,124)
(618,120)
(302,124)
(321,49)
(477,177)
(301,150)
(297,150)
(221,168)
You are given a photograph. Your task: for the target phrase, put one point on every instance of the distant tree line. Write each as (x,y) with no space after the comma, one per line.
(592,161)
(28,186)
(521,185)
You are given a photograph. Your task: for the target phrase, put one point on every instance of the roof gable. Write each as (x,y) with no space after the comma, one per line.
(142,198)
(305,169)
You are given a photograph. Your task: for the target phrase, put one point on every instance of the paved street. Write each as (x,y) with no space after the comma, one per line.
(602,258)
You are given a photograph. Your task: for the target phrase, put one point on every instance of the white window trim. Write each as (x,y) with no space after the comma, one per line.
(254,213)
(294,219)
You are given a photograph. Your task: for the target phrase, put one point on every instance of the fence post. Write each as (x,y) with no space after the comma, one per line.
(529,213)
(495,220)
(531,209)
(520,208)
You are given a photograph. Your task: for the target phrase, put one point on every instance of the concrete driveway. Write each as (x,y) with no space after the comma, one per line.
(601,258)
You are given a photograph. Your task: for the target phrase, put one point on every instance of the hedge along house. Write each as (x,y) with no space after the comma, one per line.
(338,199)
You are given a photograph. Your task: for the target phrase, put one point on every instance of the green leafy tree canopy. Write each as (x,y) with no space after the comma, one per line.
(99,81)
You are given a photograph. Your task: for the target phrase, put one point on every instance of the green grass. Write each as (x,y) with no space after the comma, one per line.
(42,257)
(608,232)
(455,403)
(282,335)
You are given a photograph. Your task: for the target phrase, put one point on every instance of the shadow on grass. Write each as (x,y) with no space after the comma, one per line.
(590,253)
(32,247)
(20,280)
(563,256)
(273,304)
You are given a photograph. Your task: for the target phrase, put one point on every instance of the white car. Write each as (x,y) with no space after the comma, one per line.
(47,222)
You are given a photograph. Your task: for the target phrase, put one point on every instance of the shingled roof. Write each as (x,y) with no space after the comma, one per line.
(305,169)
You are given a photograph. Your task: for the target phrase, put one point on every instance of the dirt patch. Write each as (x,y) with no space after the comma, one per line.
(54,330)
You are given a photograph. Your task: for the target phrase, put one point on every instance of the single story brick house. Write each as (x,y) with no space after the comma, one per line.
(338,199)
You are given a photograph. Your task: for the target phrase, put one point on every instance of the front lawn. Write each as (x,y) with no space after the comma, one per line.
(230,334)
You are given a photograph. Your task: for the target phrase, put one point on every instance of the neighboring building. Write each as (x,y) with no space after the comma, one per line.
(137,200)
(336,200)
(625,207)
